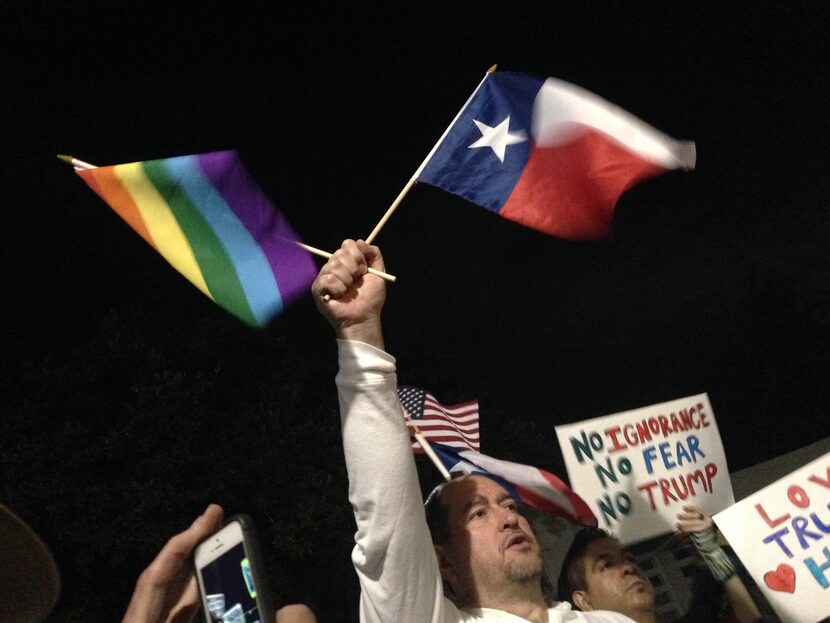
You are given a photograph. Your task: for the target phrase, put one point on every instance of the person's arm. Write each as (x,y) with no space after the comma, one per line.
(393,553)
(166,591)
(701,531)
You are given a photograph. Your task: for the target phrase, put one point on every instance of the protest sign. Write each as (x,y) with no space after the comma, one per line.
(782,536)
(636,469)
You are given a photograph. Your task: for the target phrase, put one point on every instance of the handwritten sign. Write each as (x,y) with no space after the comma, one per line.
(782,535)
(637,469)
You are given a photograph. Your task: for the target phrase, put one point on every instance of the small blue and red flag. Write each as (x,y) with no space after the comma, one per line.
(535,487)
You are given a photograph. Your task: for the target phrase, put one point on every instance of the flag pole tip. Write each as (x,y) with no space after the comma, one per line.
(492,69)
(65,158)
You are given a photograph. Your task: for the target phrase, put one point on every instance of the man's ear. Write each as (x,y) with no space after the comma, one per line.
(581,601)
(445,566)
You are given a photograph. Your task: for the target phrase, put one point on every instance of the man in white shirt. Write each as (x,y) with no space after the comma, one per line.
(486,551)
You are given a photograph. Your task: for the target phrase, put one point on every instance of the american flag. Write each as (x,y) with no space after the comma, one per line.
(455,426)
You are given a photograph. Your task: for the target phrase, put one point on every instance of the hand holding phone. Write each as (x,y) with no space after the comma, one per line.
(166,589)
(229,573)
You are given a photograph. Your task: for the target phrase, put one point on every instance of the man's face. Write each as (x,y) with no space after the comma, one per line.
(613,580)
(490,544)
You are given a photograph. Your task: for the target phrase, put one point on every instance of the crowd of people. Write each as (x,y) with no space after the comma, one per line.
(467,555)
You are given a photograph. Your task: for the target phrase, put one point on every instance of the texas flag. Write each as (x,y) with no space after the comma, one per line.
(549,154)
(535,487)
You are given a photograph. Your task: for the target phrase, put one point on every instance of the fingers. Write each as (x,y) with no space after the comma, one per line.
(692,519)
(181,546)
(161,582)
(187,605)
(208,522)
(340,272)
(345,268)
(372,255)
(690,513)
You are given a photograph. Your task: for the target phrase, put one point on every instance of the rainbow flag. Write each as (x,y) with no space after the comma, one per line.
(210,220)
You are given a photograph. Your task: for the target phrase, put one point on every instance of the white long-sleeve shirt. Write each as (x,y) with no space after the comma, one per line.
(393,554)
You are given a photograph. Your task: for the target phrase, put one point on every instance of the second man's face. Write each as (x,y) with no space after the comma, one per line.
(614,581)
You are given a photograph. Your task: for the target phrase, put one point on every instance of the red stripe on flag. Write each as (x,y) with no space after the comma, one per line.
(455,425)
(571,190)
(583,515)
(469,429)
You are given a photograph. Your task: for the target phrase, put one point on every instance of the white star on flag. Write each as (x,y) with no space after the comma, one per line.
(497,138)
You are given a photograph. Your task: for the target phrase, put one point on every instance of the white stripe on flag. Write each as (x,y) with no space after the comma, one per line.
(522,475)
(560,107)
(427,422)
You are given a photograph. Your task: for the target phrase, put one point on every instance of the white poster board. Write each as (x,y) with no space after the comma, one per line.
(636,469)
(782,536)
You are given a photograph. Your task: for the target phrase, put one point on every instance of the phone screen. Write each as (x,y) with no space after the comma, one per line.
(230,593)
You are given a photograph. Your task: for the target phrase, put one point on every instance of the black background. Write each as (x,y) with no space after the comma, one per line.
(134,401)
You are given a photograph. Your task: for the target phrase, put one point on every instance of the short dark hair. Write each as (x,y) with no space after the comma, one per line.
(572,573)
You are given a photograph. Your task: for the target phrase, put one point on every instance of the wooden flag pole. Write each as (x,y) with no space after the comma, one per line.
(414,178)
(78,164)
(419,437)
(326,254)
(84,166)
(393,207)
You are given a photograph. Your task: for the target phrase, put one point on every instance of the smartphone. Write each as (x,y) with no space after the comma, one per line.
(229,572)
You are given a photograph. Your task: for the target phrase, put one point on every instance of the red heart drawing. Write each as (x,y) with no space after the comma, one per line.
(782,579)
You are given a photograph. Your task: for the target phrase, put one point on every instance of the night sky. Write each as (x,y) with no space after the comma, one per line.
(716,280)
